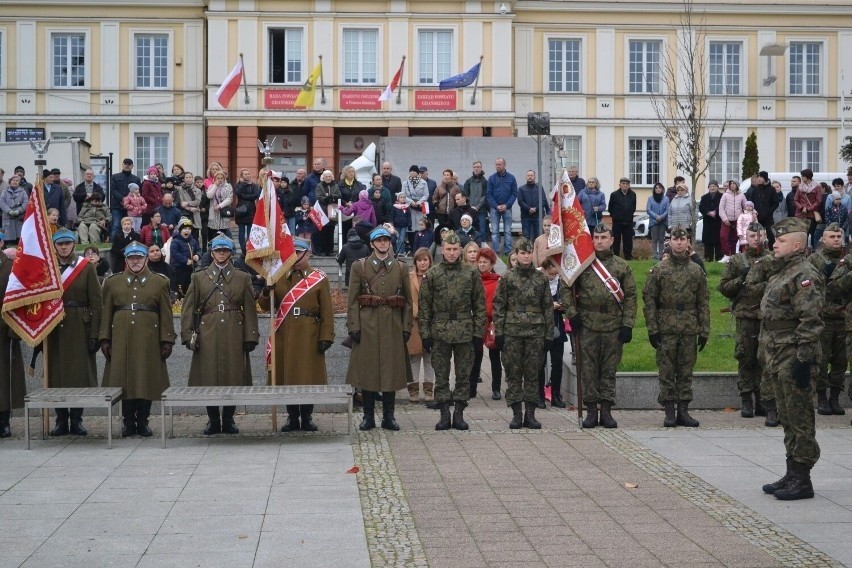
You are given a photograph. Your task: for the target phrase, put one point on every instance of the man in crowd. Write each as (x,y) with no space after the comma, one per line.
(20,172)
(622,206)
(578,182)
(501,196)
(476,189)
(54,196)
(790,200)
(392,182)
(86,188)
(314,178)
(118,190)
(766,200)
(169,214)
(531,198)
(93,218)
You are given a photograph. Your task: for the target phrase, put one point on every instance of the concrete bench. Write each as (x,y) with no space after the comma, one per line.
(278,395)
(97,397)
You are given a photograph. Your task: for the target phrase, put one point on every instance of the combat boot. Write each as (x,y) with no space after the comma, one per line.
(759,408)
(307,412)
(799,486)
(369,420)
(5,430)
(781,483)
(228,424)
(748,408)
(671,419)
(607,421)
(414,392)
(683,417)
(428,391)
(591,419)
(292,422)
(143,411)
(214,423)
(823,407)
(529,417)
(834,402)
(61,428)
(771,414)
(129,426)
(388,409)
(517,416)
(77,428)
(458,417)
(444,422)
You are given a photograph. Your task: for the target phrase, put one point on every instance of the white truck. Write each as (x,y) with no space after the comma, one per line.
(71,156)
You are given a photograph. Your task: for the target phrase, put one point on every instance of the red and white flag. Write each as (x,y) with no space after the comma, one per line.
(388,92)
(230,85)
(269,247)
(29,305)
(318,216)
(569,241)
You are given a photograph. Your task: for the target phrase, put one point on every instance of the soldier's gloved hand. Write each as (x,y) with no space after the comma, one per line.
(500,342)
(427,345)
(248,346)
(106,349)
(802,374)
(356,336)
(625,334)
(406,335)
(165,350)
(94,344)
(266,290)
(656,340)
(576,323)
(323,346)
(702,343)
(546,345)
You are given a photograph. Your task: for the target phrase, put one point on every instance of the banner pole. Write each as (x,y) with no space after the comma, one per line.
(399,87)
(476,81)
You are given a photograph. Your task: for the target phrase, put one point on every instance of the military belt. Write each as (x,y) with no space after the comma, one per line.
(302,313)
(777,325)
(216,308)
(528,309)
(601,309)
(72,304)
(138,308)
(679,307)
(451,317)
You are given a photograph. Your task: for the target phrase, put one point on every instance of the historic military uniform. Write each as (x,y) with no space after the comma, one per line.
(678,318)
(219,325)
(792,308)
(137,336)
(451,319)
(73,343)
(13,386)
(379,319)
(745,306)
(523,322)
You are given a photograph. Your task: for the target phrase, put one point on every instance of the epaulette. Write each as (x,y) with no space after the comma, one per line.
(115,274)
(160,275)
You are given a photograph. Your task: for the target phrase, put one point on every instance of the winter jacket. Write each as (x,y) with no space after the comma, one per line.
(353,250)
(731,206)
(247,194)
(149,238)
(401,216)
(622,206)
(362,208)
(528,197)
(14,201)
(289,201)
(681,211)
(502,190)
(444,198)
(170,215)
(382,210)
(456,215)
(423,239)
(590,199)
(765,200)
(118,190)
(152,192)
(182,250)
(80,194)
(55,199)
(476,189)
(743,221)
(807,203)
(349,193)
(655,209)
(839,215)
(91,213)
(467,236)
(134,205)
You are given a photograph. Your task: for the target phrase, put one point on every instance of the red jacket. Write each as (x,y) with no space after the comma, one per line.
(153,194)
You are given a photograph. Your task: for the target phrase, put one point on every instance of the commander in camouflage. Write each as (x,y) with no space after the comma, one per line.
(792,308)
(745,305)
(523,321)
(602,324)
(678,318)
(451,319)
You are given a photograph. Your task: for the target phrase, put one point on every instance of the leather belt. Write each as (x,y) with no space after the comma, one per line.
(300,312)
(775,325)
(134,307)
(72,304)
(218,308)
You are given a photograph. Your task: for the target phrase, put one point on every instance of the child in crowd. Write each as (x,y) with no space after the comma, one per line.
(401,222)
(354,249)
(381,208)
(53,220)
(466,232)
(835,211)
(746,218)
(93,255)
(304,226)
(135,205)
(425,236)
(184,255)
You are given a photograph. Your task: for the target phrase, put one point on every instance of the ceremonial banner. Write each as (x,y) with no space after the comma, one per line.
(569,241)
(269,248)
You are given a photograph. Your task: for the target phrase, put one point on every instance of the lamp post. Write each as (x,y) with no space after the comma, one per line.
(538,126)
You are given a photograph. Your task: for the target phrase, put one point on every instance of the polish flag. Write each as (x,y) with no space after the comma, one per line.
(388,92)
(269,247)
(569,241)
(231,85)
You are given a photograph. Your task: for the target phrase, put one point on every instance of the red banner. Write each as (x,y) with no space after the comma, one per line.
(435,100)
(269,247)
(280,99)
(351,99)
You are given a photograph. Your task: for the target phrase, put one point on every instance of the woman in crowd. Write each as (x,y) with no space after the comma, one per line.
(682,209)
(471,249)
(155,232)
(558,290)
(809,203)
(101,266)
(350,191)
(157,263)
(289,200)
(425,236)
(417,356)
(731,207)
(220,195)
(466,232)
(246,193)
(328,195)
(152,193)
(189,200)
(711,224)
(486,258)
(443,199)
(657,208)
(13,203)
(211,173)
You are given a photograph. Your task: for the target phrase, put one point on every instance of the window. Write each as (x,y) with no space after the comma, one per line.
(570,155)
(805,68)
(435,63)
(727,163)
(152,61)
(644,70)
(805,153)
(285,55)
(725,68)
(69,59)
(150,149)
(360,56)
(563,65)
(644,161)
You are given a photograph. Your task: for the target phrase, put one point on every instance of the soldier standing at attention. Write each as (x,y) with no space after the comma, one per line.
(219,326)
(678,318)
(602,312)
(829,385)
(379,321)
(451,318)
(792,326)
(523,320)
(841,284)
(137,336)
(13,386)
(745,305)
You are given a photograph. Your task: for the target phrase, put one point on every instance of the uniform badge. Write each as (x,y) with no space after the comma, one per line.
(805,283)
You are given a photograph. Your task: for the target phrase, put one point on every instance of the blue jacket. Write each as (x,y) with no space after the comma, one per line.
(402,217)
(423,239)
(502,190)
(56,200)
(589,200)
(652,208)
(182,250)
(528,197)
(310,187)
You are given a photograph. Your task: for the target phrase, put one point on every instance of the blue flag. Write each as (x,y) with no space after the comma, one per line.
(463,80)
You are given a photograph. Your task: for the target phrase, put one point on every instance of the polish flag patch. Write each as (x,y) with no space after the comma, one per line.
(805,283)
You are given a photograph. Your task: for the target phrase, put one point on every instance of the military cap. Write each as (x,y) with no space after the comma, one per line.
(64,236)
(680,232)
(378,233)
(301,244)
(603,228)
(789,225)
(834,227)
(754,227)
(450,238)
(135,249)
(221,242)
(523,244)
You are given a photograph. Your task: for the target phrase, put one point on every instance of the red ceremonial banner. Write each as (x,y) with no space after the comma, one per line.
(269,247)
(435,100)
(280,99)
(351,99)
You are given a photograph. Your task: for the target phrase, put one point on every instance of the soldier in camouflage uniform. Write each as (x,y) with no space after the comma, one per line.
(451,318)
(827,259)
(841,284)
(602,324)
(678,318)
(523,320)
(792,326)
(745,306)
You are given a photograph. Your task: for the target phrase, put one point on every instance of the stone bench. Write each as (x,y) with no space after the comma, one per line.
(279,395)
(97,397)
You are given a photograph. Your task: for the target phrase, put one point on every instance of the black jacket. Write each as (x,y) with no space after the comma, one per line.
(765,200)
(247,194)
(118,183)
(622,206)
(712,226)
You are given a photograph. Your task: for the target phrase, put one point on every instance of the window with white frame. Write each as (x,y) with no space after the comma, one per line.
(435,56)
(644,66)
(570,154)
(805,63)
(727,161)
(725,65)
(805,153)
(150,149)
(285,55)
(152,61)
(68,59)
(563,65)
(360,57)
(644,161)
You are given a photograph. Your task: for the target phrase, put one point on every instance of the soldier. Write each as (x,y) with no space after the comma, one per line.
(73,343)
(137,336)
(841,284)
(379,321)
(602,310)
(219,326)
(792,308)
(745,306)
(523,322)
(678,319)
(451,321)
(13,386)
(304,331)
(833,339)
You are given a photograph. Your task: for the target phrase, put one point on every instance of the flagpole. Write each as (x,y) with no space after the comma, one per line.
(45,417)
(322,84)
(399,87)
(273,359)
(476,81)
(245,86)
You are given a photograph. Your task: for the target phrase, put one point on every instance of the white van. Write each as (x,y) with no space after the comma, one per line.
(784,178)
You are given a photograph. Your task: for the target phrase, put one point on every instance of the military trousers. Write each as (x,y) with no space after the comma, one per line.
(767,390)
(833,340)
(795,407)
(599,355)
(746,354)
(675,361)
(522,357)
(461,354)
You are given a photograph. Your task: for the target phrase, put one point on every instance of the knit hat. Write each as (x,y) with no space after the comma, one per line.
(468,217)
(836,195)
(764,175)
(748,204)
(414,168)
(152,171)
(131,186)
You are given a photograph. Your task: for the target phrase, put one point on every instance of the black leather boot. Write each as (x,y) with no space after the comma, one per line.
(369,420)
(834,402)
(142,413)
(799,486)
(292,422)
(822,403)
(517,416)
(606,420)
(61,428)
(683,417)
(781,483)
(5,430)
(214,423)
(129,426)
(771,414)
(444,421)
(671,418)
(556,401)
(307,412)
(388,409)
(77,428)
(759,408)
(529,417)
(458,417)
(228,424)
(591,419)
(748,407)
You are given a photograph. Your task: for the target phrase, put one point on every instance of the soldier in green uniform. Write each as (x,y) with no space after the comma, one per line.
(219,325)
(523,322)
(602,316)
(745,305)
(841,284)
(678,318)
(451,318)
(792,326)
(13,386)
(137,336)
(829,384)
(73,343)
